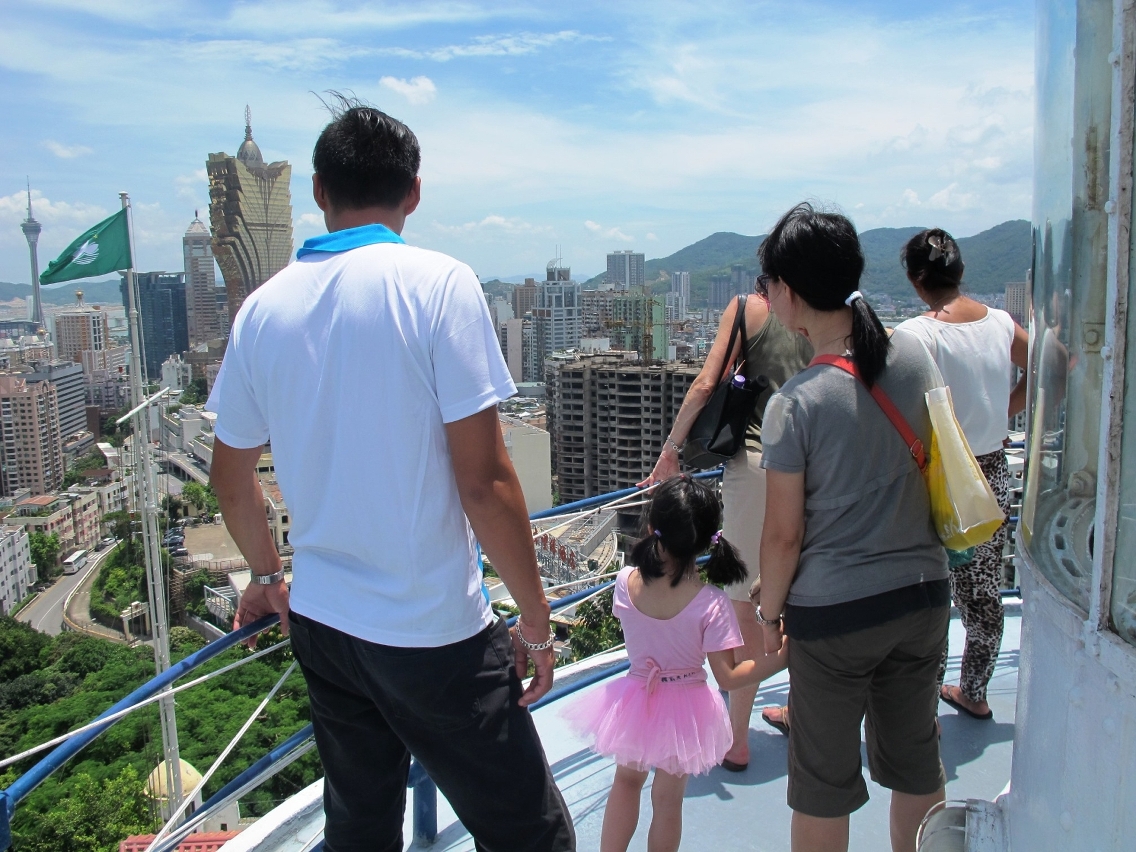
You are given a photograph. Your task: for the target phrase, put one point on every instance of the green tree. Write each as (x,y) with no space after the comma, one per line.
(20,648)
(45,553)
(95,817)
(194,494)
(596,628)
(196,393)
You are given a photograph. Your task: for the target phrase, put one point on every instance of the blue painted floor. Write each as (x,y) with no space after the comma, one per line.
(746,811)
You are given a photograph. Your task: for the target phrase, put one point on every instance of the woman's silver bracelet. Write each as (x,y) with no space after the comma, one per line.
(673,445)
(538,646)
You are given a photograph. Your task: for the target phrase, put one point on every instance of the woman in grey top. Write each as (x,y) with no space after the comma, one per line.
(851,567)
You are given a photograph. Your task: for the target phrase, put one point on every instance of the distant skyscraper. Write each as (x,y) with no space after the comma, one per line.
(29,435)
(558,313)
(624,270)
(161,306)
(680,289)
(524,298)
(70,393)
(203,319)
(80,328)
(31,229)
(1017,302)
(250,213)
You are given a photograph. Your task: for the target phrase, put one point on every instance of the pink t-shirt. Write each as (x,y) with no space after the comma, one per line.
(706,624)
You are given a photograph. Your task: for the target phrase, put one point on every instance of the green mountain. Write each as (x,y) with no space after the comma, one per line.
(104,292)
(993,258)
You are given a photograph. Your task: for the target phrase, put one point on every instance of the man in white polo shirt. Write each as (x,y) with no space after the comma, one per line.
(374,368)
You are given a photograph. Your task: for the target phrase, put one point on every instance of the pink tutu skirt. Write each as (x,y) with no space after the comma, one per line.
(680,728)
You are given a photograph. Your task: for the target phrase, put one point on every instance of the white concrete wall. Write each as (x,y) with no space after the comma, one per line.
(531,452)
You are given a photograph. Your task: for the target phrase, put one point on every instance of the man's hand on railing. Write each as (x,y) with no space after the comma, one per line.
(259,601)
(544,659)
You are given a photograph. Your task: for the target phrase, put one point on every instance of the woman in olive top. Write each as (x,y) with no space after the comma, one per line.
(773,352)
(851,567)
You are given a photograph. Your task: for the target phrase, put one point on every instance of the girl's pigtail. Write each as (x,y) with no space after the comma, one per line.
(725,566)
(870,341)
(645,556)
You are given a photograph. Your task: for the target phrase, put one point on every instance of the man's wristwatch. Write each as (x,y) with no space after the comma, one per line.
(268,579)
(767,622)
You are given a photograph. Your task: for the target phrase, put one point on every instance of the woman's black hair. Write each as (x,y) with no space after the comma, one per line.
(683,519)
(933,260)
(818,256)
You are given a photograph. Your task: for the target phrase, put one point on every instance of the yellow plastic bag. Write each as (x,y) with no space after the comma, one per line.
(963,506)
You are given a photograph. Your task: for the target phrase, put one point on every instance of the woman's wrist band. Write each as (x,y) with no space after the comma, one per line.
(767,622)
(673,445)
(536,646)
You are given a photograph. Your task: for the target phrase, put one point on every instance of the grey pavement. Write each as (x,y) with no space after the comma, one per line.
(45,613)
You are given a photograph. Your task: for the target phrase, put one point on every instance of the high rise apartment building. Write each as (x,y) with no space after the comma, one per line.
(29,436)
(638,324)
(679,302)
(1017,302)
(557,314)
(624,270)
(204,320)
(162,309)
(517,347)
(524,298)
(250,213)
(609,418)
(596,312)
(70,392)
(17,571)
(79,329)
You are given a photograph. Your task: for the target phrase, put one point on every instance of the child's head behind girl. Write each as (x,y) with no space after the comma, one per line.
(682,522)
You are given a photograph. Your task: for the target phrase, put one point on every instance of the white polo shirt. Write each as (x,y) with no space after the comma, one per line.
(352,362)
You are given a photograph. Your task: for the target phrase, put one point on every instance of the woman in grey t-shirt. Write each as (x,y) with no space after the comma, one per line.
(851,567)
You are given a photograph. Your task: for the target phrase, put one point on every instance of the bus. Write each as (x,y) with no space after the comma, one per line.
(73,563)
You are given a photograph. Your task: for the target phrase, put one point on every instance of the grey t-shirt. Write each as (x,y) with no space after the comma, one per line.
(868,523)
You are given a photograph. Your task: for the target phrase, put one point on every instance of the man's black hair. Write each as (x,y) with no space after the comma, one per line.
(364,157)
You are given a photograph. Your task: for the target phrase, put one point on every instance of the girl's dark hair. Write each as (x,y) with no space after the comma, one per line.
(364,157)
(817,255)
(684,516)
(933,260)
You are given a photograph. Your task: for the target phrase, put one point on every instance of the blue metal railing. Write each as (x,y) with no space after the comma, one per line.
(425,792)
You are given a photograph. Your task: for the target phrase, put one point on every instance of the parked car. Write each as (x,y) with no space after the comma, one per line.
(179,551)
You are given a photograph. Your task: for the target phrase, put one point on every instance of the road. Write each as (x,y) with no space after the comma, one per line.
(45,613)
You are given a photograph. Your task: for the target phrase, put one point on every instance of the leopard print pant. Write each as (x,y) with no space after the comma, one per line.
(975,589)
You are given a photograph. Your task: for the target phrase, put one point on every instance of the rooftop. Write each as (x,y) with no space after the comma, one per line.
(723,811)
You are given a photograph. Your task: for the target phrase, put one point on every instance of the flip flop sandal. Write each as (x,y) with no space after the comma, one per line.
(945,697)
(779,724)
(730,766)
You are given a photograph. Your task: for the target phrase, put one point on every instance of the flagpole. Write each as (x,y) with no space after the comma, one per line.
(148,511)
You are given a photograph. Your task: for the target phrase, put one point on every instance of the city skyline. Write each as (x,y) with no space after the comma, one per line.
(595,128)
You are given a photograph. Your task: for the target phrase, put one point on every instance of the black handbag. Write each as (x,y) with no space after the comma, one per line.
(719,431)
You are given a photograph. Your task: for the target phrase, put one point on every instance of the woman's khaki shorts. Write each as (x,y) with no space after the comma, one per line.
(888,674)
(743,501)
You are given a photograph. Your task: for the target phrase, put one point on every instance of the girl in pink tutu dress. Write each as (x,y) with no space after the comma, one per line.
(663,715)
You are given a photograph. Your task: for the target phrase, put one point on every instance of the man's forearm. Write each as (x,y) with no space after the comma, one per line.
(242,507)
(498,516)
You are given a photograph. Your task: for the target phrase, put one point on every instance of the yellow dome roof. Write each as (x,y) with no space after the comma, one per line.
(156,783)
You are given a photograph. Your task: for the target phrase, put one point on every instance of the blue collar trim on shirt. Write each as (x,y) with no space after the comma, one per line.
(349,238)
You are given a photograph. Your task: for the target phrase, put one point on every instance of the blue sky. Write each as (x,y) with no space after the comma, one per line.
(588,126)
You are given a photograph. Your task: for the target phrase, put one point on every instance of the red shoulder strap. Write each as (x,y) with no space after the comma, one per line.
(884,401)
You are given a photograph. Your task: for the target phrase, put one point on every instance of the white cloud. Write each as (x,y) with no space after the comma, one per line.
(608,233)
(420,90)
(652,237)
(310,220)
(520,44)
(66,152)
(494,223)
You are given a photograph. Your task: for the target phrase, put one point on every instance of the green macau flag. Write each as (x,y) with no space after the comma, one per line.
(105,248)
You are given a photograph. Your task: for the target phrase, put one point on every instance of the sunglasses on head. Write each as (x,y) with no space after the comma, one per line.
(761,284)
